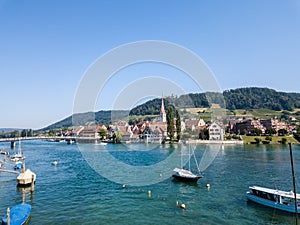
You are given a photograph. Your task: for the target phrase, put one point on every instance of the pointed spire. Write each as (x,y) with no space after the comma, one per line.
(163,117)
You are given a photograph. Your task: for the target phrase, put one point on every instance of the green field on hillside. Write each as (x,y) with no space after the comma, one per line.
(275,139)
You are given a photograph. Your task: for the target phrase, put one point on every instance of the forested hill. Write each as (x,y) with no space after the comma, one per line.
(241,98)
(255,98)
(89,118)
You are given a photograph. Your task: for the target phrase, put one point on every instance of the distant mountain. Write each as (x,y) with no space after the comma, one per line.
(10,129)
(240,98)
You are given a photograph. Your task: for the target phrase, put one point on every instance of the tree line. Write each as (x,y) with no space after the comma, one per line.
(17,133)
(241,98)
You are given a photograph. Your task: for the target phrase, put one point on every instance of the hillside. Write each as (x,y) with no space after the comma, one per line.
(250,101)
(235,99)
(100,117)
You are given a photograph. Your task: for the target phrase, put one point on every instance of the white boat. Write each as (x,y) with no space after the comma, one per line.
(19,155)
(277,199)
(187,175)
(101,143)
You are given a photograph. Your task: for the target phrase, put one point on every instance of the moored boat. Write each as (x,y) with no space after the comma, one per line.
(19,155)
(26,178)
(18,165)
(17,215)
(187,175)
(277,199)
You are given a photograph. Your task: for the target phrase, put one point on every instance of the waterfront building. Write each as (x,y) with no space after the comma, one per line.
(194,124)
(216,132)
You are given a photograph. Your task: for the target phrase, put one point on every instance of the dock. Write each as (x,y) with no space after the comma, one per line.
(9,171)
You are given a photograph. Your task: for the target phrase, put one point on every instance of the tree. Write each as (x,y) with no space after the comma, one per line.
(117,137)
(283,140)
(282,132)
(51,132)
(268,138)
(170,123)
(178,125)
(257,140)
(14,134)
(271,131)
(297,135)
(204,134)
(256,132)
(30,133)
(102,134)
(23,133)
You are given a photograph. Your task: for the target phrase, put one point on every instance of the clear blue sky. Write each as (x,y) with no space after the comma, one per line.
(46,46)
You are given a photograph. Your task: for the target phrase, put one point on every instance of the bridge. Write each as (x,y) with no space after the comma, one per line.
(68,139)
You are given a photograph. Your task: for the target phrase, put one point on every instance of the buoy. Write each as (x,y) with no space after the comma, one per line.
(54,163)
(208,185)
(149,193)
(124,186)
(182,206)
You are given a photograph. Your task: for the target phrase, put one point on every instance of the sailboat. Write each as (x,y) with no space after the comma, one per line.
(187,175)
(18,156)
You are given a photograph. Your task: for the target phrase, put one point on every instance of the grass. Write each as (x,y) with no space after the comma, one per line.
(275,139)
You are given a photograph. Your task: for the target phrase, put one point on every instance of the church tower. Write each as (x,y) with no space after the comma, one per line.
(163,116)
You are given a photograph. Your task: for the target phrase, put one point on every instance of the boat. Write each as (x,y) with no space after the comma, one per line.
(277,199)
(186,175)
(101,143)
(18,165)
(17,215)
(26,178)
(19,155)
(3,152)
(288,201)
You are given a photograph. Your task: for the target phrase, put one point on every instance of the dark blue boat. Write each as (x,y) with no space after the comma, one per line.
(18,165)
(19,214)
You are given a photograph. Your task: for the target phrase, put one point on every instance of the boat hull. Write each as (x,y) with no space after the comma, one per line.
(287,208)
(19,214)
(186,179)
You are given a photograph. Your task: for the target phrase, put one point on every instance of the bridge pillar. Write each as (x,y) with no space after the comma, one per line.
(12,144)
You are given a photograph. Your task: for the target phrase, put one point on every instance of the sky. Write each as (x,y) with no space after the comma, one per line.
(47,47)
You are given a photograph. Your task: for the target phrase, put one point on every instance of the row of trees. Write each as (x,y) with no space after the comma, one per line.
(16,133)
(173,114)
(268,131)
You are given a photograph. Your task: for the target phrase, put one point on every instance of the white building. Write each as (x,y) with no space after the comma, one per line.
(216,132)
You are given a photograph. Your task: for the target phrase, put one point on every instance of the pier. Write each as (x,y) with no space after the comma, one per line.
(9,171)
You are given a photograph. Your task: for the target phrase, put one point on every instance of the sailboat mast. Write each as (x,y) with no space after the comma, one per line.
(19,147)
(189,157)
(181,166)
(294,182)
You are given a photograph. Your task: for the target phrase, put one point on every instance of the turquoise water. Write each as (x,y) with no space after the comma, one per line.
(73,193)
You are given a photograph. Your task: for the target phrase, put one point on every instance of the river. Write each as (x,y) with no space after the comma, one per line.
(87,188)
